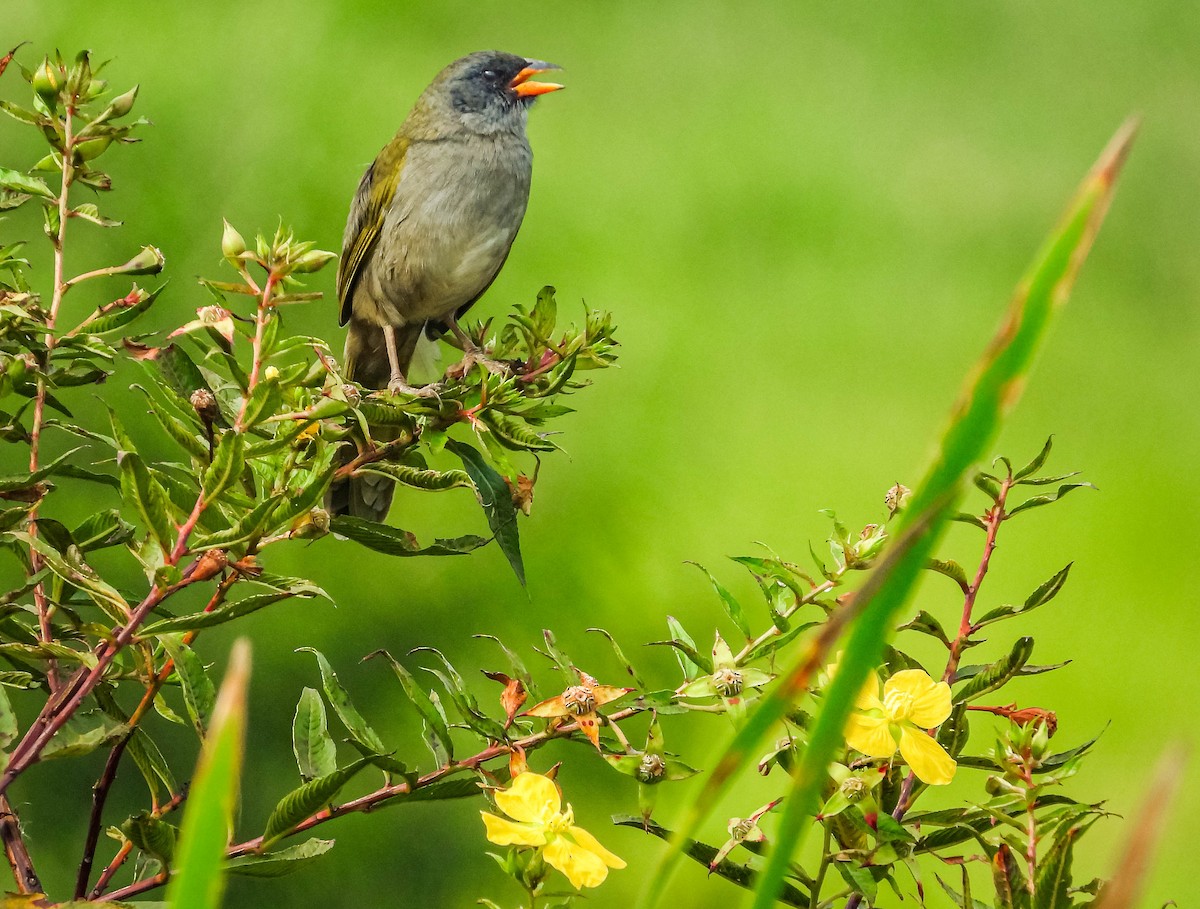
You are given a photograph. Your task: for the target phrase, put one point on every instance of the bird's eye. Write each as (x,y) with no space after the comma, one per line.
(490,75)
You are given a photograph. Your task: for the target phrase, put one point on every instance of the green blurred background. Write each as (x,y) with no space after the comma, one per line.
(807,218)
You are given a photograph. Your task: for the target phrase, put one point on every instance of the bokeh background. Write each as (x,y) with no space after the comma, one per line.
(807,218)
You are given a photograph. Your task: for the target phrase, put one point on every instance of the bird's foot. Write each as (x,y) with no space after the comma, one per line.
(472,357)
(397,386)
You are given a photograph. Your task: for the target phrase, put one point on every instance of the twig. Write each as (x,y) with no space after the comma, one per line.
(15,850)
(104,783)
(127,847)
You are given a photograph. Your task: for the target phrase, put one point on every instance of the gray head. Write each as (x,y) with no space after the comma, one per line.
(488,91)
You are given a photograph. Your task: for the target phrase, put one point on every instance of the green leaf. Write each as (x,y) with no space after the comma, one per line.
(926,624)
(199,695)
(308,799)
(101,530)
(431,480)
(464,700)
(151,835)
(117,319)
(83,734)
(199,880)
(339,699)
(1036,464)
(952,570)
(17,182)
(264,401)
(496,499)
(1037,501)
(394,541)
(316,753)
(437,734)
(277,864)
(732,607)
(638,681)
(1044,594)
(221,615)
(8,723)
(226,468)
(997,674)
(143,492)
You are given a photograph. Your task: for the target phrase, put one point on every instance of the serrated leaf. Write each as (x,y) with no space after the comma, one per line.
(950,569)
(308,799)
(199,694)
(438,736)
(101,530)
(1048,498)
(339,699)
(926,624)
(997,674)
(1036,464)
(151,835)
(226,468)
(1044,594)
(316,753)
(431,480)
(83,734)
(733,608)
(277,864)
(465,702)
(496,499)
(264,401)
(394,541)
(17,182)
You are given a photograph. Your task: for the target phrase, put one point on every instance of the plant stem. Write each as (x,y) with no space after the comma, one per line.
(814,896)
(44,608)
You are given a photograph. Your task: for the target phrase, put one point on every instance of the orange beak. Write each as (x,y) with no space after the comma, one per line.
(526,89)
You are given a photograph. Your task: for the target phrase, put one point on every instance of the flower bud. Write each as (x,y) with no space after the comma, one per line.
(728,682)
(313,260)
(46,82)
(123,104)
(232,243)
(854,788)
(579,700)
(205,404)
(352,395)
(149,261)
(271,374)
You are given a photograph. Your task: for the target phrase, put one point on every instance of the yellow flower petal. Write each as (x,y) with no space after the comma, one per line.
(928,702)
(868,697)
(582,867)
(531,798)
(551,707)
(870,735)
(504,832)
(591,844)
(927,759)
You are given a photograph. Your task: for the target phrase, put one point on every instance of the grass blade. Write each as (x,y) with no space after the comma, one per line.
(992,390)
(200,879)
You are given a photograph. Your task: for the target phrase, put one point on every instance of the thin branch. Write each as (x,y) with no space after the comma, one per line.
(127,847)
(15,850)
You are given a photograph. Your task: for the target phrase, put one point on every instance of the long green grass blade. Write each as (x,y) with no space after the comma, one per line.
(992,390)
(199,879)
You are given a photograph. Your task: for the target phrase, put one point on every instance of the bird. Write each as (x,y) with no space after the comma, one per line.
(430,226)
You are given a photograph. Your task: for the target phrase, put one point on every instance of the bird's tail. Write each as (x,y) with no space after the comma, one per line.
(369,496)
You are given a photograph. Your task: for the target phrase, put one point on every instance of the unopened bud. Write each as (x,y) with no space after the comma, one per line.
(313,260)
(271,374)
(211,315)
(897,497)
(351,393)
(46,82)
(728,682)
(232,243)
(123,104)
(314,523)
(149,261)
(205,404)
(579,700)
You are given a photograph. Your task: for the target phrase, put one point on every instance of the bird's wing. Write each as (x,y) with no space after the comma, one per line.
(374,195)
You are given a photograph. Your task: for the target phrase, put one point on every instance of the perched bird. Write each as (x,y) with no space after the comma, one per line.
(431,225)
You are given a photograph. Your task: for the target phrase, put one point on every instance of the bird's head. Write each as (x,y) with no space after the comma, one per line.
(489,91)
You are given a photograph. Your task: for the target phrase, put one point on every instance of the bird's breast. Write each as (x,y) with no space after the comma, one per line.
(454,216)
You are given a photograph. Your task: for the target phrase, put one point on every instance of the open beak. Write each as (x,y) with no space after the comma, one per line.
(526,89)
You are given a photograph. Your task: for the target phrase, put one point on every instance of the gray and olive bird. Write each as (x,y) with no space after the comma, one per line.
(430,227)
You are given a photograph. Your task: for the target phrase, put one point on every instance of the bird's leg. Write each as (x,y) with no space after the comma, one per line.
(397,383)
(472,354)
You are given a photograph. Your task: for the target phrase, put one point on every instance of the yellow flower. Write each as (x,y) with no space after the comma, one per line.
(912,702)
(538,819)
